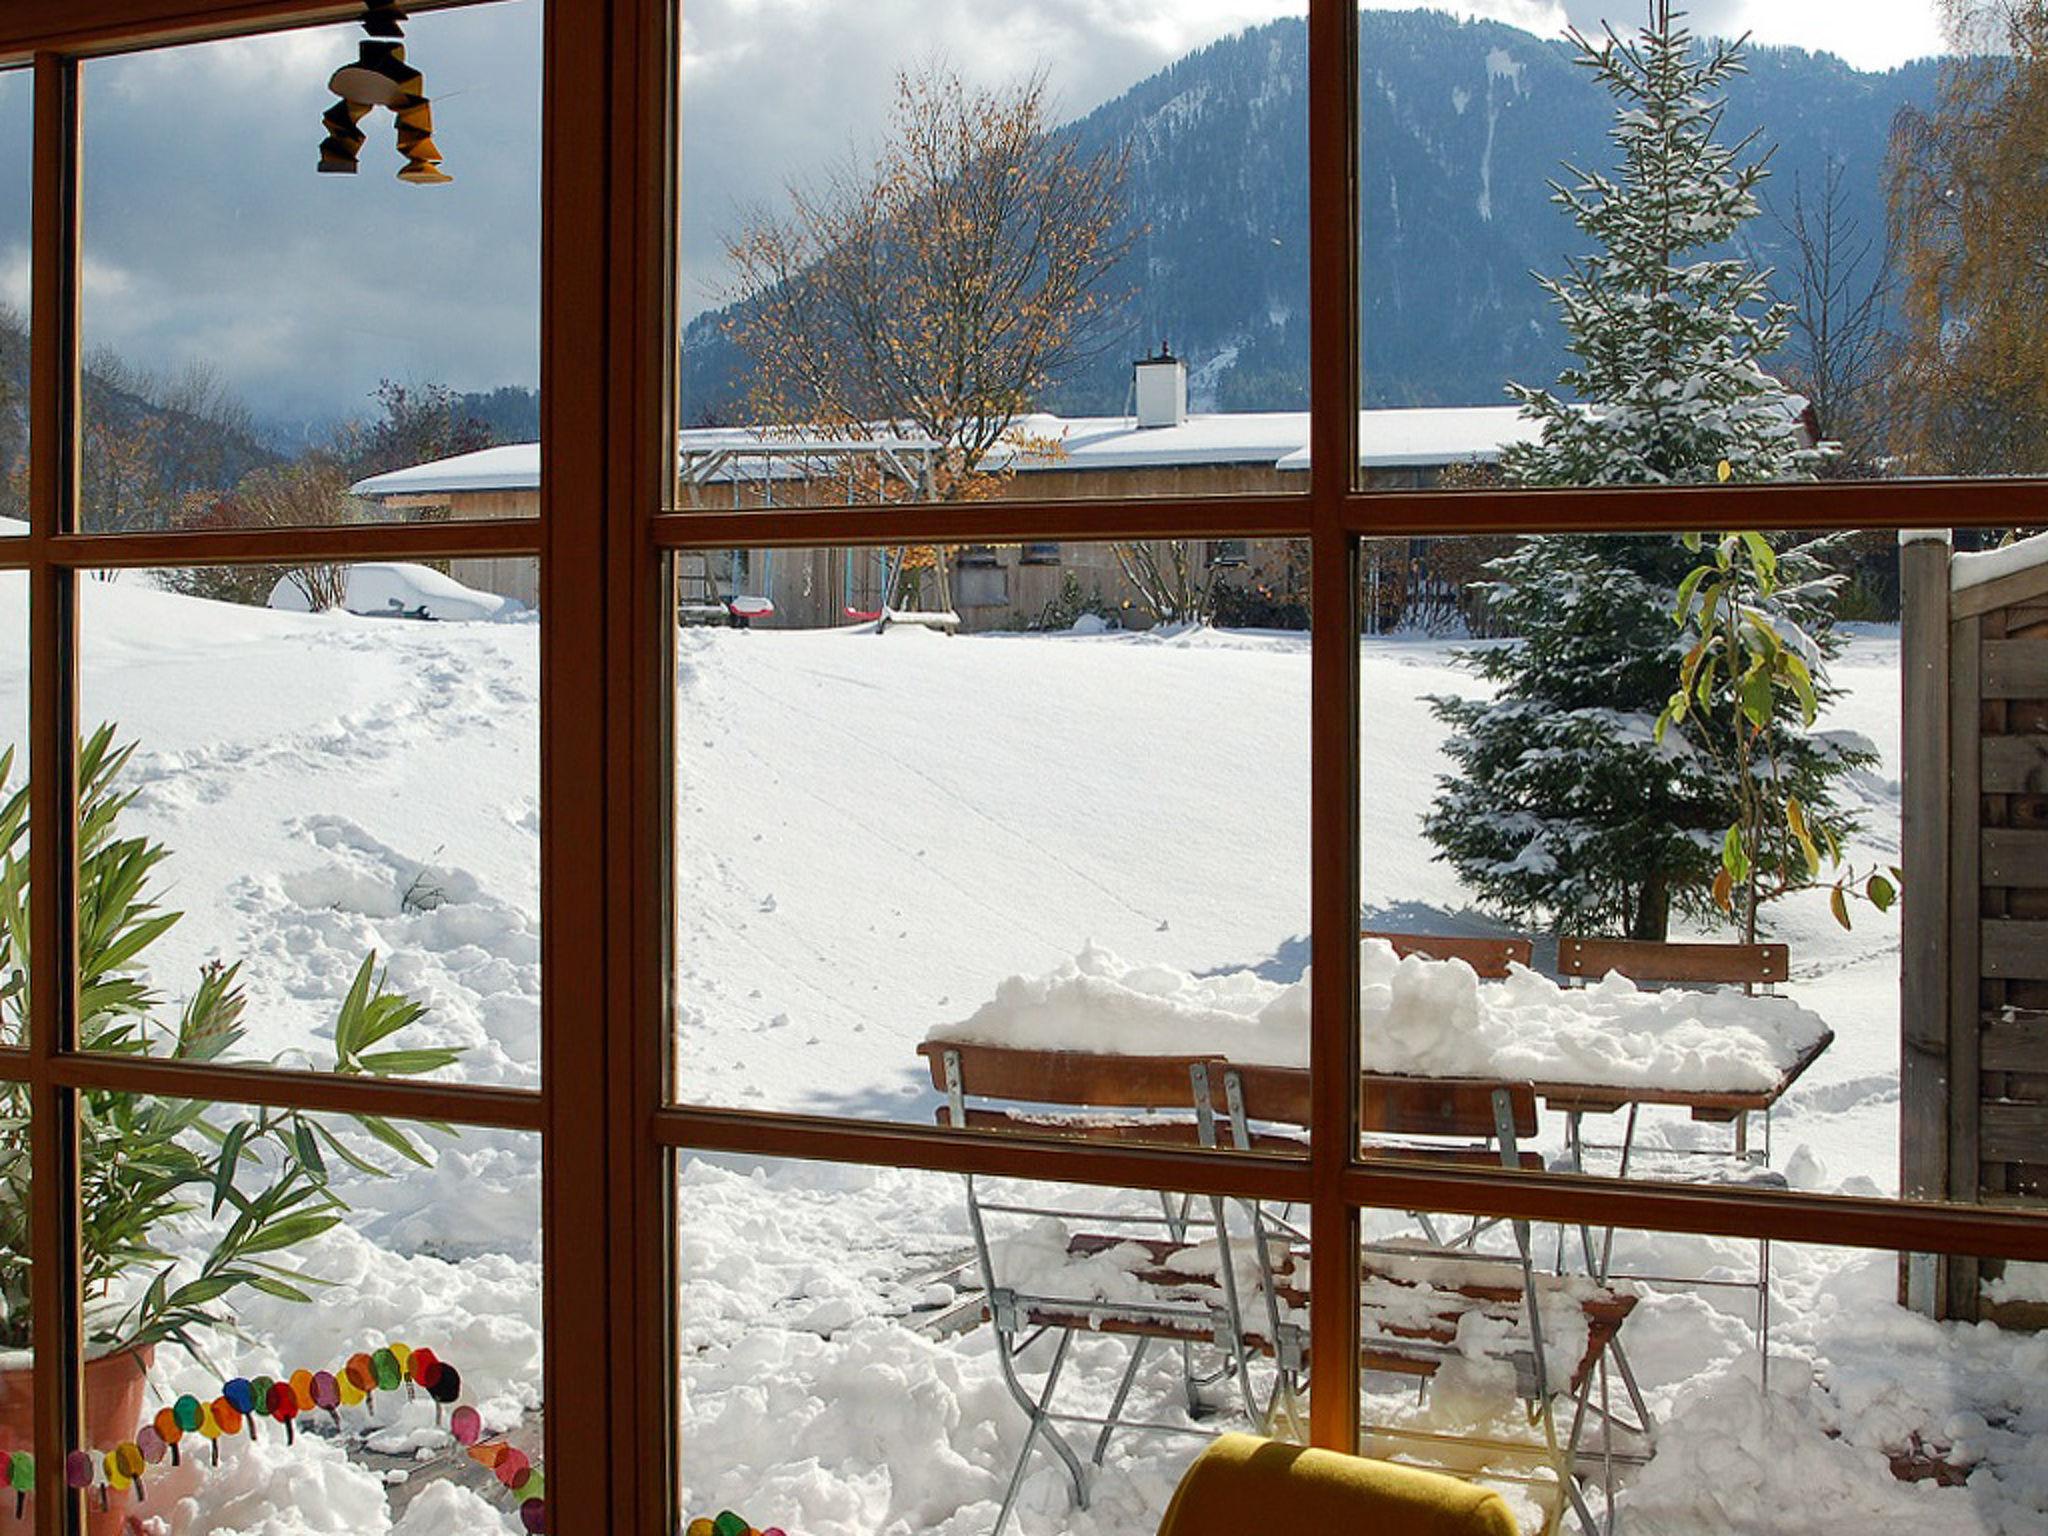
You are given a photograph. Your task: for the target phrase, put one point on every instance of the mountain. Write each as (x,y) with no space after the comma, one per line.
(1463,127)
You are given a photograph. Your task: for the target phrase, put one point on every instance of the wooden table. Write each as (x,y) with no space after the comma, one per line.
(1577,1100)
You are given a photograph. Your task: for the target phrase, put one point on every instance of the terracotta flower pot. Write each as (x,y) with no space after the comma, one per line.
(115,1395)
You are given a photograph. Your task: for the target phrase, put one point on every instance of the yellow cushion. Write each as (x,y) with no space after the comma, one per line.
(1245,1486)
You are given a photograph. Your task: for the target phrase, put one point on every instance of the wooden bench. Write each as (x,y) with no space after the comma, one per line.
(1489,957)
(1748,966)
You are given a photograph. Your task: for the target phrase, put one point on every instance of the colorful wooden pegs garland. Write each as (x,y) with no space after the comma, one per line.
(244,1400)
(726,1523)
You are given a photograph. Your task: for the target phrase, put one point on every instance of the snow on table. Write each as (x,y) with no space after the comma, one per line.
(1418,1017)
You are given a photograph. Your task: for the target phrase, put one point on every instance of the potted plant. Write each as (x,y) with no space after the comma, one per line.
(149,1166)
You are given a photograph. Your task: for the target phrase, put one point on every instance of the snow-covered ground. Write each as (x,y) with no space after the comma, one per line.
(873,834)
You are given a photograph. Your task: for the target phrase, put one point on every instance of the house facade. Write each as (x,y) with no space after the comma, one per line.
(1160,450)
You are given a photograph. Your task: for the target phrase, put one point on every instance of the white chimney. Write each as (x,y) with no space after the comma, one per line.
(1162,387)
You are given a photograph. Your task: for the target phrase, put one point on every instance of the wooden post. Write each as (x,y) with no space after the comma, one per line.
(1924,917)
(1965,899)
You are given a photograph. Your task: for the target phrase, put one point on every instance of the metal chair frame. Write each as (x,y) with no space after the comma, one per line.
(1021,1319)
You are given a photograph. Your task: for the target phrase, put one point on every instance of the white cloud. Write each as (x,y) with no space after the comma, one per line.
(14,277)
(775,89)
(1870,34)
(210,238)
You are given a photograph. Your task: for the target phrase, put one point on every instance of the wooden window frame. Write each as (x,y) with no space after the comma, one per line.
(607,529)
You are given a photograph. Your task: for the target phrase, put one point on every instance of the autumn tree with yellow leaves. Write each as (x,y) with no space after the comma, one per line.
(933,290)
(1969,208)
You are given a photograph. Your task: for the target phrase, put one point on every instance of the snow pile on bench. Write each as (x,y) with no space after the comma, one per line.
(1421,1017)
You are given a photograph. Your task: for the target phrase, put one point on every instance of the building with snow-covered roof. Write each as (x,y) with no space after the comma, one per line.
(1160,450)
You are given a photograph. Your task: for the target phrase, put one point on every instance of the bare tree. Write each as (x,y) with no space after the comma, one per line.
(1841,350)
(936,288)
(308,492)
(1175,583)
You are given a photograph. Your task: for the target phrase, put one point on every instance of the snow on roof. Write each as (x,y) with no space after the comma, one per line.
(1430,435)
(510,467)
(1974,569)
(1387,440)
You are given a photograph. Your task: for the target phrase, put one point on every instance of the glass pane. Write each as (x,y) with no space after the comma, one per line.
(352,1343)
(333,816)
(263,342)
(804,1288)
(1846,295)
(17,1318)
(17,165)
(1072,268)
(1701,1384)
(1664,944)
(14,809)
(1015,797)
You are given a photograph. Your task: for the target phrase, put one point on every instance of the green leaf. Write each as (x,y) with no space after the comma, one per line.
(288,1232)
(224,1170)
(1734,856)
(199,1292)
(1761,553)
(1757,696)
(399,1063)
(309,1149)
(1688,592)
(393,1138)
(271,1286)
(1881,892)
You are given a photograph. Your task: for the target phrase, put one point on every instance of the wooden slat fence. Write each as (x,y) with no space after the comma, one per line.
(1974,982)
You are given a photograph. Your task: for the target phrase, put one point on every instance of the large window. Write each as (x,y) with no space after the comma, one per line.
(728,978)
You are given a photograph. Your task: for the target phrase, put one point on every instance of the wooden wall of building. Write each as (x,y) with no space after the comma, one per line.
(1002,588)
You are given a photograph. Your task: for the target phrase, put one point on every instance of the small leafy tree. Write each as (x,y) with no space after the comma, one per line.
(149,1164)
(1749,667)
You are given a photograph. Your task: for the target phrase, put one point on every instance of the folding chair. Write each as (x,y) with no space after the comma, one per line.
(1489,957)
(1759,970)
(1200,1269)
(1237,1287)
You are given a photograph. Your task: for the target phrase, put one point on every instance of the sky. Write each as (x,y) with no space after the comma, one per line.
(211,242)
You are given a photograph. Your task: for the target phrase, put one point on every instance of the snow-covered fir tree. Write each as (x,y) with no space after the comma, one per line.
(1565,807)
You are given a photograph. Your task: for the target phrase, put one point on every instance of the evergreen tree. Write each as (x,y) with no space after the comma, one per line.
(1566,805)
